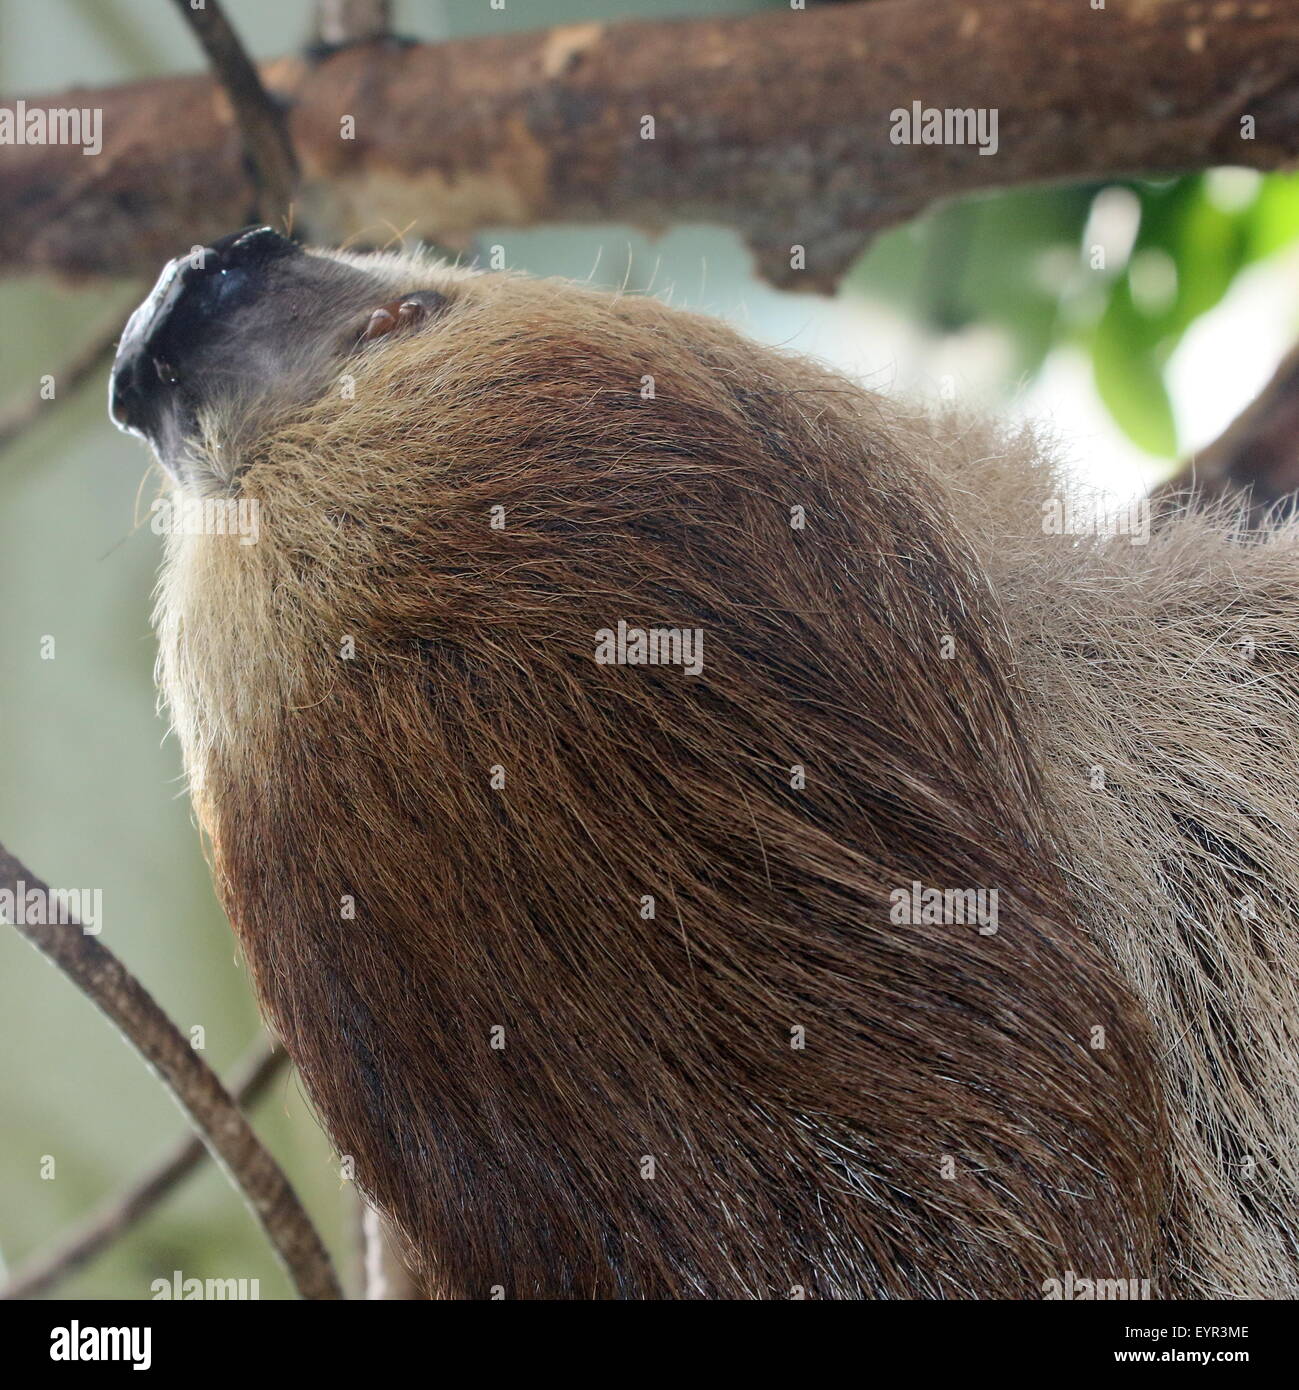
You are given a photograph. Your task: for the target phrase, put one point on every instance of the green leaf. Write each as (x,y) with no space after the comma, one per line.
(1273,220)
(980,261)
(1127,364)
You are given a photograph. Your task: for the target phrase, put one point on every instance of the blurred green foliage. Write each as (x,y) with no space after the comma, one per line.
(1041,266)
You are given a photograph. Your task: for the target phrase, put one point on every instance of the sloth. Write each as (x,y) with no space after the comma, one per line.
(620,975)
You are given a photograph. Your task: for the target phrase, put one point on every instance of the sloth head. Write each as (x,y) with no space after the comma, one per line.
(235,332)
(393,699)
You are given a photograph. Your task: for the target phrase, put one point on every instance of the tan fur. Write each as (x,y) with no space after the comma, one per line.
(951,1128)
(1175,668)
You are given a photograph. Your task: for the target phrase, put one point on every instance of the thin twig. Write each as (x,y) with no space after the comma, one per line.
(384,1274)
(261,122)
(229,1137)
(126,1209)
(97,354)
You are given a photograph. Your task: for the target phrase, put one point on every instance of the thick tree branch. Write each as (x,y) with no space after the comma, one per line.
(195,1086)
(1257,454)
(126,1209)
(776,124)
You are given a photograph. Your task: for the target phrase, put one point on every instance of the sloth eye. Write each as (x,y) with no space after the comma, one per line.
(166,373)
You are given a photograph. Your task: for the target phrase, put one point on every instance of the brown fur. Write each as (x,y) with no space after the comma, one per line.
(951,1128)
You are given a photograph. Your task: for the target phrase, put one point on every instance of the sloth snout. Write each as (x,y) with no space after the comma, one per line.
(156,372)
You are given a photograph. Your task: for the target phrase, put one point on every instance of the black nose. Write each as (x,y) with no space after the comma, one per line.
(194,295)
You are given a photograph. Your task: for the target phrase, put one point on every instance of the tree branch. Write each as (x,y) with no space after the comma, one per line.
(88,362)
(103,979)
(1257,454)
(776,124)
(126,1209)
(262,126)
(384,1273)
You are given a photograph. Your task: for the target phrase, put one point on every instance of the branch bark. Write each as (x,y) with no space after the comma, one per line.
(384,1273)
(776,124)
(262,126)
(195,1086)
(1255,457)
